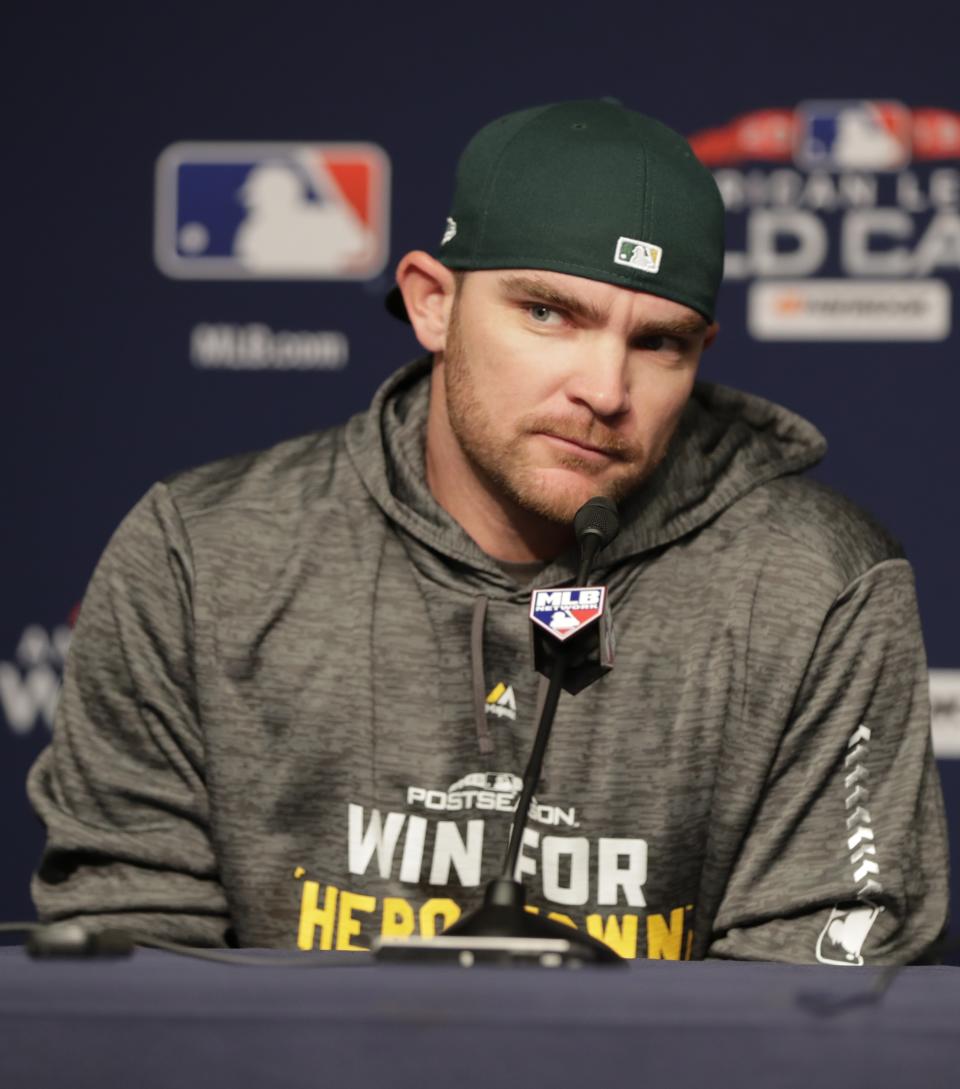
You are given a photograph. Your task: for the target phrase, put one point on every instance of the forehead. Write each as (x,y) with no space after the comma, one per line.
(593,296)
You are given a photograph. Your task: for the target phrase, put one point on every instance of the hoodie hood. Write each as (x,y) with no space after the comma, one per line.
(727,444)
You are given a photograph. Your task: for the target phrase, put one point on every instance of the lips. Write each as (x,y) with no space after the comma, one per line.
(579,446)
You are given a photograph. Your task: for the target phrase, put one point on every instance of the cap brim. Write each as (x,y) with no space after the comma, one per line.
(395,304)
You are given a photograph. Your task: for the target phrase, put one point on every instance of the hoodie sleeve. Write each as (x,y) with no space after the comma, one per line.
(121,788)
(845,858)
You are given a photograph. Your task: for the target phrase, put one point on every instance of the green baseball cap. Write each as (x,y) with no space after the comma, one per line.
(592,189)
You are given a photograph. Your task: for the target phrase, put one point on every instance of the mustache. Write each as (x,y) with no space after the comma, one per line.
(594,434)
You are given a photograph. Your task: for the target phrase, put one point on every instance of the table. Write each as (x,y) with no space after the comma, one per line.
(160,1020)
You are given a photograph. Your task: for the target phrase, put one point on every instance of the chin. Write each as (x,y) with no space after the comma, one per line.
(557,494)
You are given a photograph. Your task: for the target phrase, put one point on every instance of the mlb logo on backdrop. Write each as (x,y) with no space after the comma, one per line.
(853,135)
(263,211)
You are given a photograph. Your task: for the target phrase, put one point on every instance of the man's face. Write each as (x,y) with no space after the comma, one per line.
(560,388)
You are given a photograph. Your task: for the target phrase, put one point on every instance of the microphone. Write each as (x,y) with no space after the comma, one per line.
(595,525)
(66,939)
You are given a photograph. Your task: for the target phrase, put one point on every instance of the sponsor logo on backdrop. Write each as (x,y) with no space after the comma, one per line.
(261,211)
(843,218)
(255,346)
(945,712)
(30,681)
(849,310)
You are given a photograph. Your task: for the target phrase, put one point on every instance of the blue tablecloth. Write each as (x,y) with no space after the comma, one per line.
(161,1020)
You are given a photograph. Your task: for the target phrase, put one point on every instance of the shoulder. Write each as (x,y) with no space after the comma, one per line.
(253,515)
(283,478)
(801,519)
(819,531)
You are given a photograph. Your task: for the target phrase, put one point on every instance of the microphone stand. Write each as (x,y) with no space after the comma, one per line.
(503,913)
(501,929)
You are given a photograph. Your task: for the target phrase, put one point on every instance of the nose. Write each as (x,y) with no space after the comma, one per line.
(600,380)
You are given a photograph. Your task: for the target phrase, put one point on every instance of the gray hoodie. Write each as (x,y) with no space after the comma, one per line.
(299,700)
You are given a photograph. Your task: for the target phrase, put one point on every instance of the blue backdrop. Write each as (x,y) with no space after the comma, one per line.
(158,317)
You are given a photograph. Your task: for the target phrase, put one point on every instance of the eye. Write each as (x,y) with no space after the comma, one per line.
(659,342)
(542,314)
(653,343)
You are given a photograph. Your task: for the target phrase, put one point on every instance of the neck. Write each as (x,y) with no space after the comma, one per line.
(498,525)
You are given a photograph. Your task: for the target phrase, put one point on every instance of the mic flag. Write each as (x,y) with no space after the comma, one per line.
(575,617)
(565,611)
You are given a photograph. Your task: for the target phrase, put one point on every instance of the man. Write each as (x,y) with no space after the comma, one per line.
(300,692)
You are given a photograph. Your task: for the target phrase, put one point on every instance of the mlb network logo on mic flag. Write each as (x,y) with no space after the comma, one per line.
(232,211)
(563,611)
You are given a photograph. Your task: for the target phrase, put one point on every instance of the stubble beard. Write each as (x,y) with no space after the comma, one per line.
(508,469)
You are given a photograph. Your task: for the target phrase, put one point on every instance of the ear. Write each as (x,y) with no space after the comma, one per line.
(427,288)
(711,334)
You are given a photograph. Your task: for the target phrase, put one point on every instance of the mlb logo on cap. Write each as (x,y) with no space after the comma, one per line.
(564,611)
(266,211)
(857,135)
(637,254)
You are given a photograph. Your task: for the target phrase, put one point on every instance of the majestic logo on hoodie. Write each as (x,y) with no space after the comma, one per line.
(502,702)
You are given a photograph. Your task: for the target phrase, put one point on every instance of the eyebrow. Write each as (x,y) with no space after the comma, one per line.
(532,287)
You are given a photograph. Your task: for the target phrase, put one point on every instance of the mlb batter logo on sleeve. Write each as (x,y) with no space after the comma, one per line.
(842,939)
(565,611)
(231,211)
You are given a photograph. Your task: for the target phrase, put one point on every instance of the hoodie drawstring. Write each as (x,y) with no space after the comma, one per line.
(484,739)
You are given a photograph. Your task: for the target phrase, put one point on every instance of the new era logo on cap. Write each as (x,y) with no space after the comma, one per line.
(637,254)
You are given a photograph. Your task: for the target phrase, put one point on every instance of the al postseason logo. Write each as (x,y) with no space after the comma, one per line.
(564,612)
(272,211)
(843,218)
